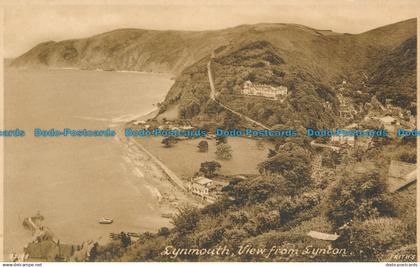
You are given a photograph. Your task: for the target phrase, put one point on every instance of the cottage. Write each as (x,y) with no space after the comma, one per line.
(186,128)
(388,120)
(200,186)
(49,250)
(389,123)
(139,122)
(264,90)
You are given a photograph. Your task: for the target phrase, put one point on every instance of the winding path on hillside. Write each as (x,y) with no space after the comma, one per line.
(213,97)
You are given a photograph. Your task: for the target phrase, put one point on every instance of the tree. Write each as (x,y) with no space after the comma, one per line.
(357,196)
(93,253)
(125,239)
(271,153)
(209,168)
(256,190)
(231,120)
(168,141)
(189,110)
(203,146)
(164,231)
(224,151)
(331,158)
(211,108)
(293,163)
(186,220)
(221,140)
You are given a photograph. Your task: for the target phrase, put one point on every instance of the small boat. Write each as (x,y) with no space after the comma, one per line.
(105,220)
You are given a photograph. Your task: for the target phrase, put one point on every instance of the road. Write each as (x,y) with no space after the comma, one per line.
(213,97)
(213,91)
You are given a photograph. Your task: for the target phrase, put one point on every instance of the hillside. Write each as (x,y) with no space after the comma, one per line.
(173,51)
(394,76)
(280,208)
(309,63)
(124,49)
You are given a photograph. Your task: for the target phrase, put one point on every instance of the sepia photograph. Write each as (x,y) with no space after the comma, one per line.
(189,131)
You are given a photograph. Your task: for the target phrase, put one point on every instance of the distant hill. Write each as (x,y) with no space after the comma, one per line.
(309,62)
(172,51)
(394,76)
(125,49)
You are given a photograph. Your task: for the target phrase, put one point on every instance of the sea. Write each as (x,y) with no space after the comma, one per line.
(75,181)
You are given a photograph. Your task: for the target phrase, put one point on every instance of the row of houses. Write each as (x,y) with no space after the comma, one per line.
(399,112)
(389,123)
(165,126)
(264,90)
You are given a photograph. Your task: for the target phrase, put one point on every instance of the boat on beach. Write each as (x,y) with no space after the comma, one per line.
(105,220)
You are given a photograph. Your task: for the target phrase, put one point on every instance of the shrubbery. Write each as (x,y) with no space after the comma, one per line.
(294,165)
(357,197)
(370,239)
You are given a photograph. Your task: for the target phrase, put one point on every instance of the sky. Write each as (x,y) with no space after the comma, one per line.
(26,25)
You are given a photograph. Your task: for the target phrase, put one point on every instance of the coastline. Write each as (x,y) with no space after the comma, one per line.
(8,65)
(103,70)
(154,178)
(169,193)
(142,117)
(166,197)
(148,181)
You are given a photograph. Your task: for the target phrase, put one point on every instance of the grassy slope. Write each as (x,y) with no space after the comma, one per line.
(184,158)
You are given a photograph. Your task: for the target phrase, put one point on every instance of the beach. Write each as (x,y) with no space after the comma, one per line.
(153,175)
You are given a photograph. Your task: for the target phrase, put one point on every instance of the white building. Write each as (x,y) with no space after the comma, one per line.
(200,186)
(264,90)
(390,123)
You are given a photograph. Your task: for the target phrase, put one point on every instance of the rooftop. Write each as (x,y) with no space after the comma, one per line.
(400,169)
(409,179)
(323,236)
(387,119)
(202,180)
